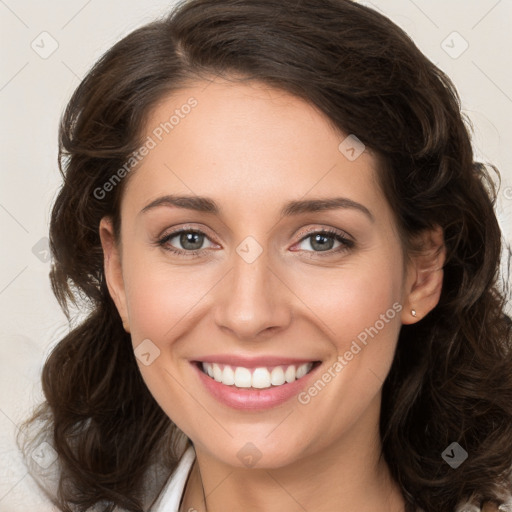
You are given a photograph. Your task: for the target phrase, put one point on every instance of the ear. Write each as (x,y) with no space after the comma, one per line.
(113,268)
(424,280)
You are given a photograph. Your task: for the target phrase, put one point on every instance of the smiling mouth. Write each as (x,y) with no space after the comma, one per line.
(257,378)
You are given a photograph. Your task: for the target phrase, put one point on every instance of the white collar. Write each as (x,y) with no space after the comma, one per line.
(170,497)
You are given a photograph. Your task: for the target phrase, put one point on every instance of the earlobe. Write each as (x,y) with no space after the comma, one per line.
(113,269)
(425,276)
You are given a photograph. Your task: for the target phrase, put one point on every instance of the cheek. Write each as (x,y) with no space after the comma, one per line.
(352,298)
(159,297)
(358,307)
(164,305)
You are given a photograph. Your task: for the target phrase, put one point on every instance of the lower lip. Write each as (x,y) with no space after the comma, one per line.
(250,398)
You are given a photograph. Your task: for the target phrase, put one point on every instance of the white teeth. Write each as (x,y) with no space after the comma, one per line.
(277,376)
(228,376)
(208,368)
(217,373)
(242,378)
(289,374)
(302,370)
(259,378)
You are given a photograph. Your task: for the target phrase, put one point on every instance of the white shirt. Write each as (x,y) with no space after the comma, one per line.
(170,497)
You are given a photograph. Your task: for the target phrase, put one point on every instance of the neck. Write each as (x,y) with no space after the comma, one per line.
(346,475)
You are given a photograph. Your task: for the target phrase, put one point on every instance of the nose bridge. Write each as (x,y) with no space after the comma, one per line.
(253,298)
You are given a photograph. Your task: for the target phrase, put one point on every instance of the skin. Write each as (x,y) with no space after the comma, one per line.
(252,148)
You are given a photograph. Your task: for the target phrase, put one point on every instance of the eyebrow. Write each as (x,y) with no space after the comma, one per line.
(208,205)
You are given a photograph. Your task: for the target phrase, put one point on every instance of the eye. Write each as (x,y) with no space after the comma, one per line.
(191,241)
(324,241)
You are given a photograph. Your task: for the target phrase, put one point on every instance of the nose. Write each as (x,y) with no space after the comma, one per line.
(254,301)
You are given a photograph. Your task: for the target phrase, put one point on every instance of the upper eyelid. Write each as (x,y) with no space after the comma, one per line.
(330,231)
(177,231)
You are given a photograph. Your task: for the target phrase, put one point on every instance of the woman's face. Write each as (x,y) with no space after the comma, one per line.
(254,286)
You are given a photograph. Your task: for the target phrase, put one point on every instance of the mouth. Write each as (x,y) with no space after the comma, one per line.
(254,383)
(261,377)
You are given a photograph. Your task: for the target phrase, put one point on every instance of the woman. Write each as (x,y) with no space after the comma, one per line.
(334,337)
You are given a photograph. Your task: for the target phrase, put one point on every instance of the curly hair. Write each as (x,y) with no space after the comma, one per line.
(451,379)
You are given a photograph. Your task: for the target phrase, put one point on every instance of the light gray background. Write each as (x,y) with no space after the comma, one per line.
(34,91)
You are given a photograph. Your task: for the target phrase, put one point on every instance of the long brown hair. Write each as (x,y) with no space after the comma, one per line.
(451,380)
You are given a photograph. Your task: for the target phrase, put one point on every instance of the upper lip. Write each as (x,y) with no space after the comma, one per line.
(252,362)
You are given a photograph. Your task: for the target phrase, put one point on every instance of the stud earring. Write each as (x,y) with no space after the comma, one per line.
(413,312)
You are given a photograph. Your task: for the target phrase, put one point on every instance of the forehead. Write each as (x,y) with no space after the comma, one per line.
(251,145)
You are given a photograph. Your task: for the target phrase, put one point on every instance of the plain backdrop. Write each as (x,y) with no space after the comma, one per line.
(47,47)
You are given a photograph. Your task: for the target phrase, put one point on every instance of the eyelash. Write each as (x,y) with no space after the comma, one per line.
(339,236)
